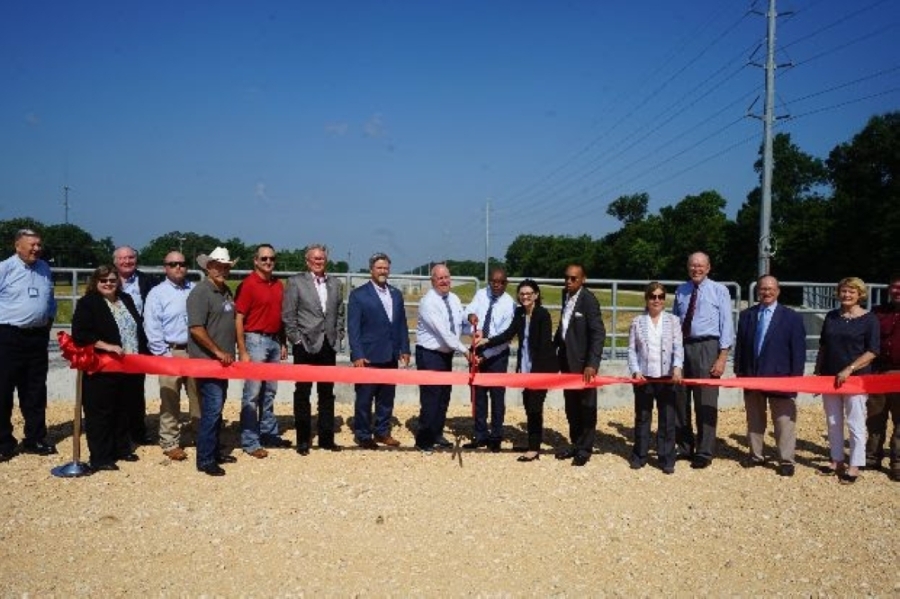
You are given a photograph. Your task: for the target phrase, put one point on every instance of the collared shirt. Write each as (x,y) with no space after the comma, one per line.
(322,290)
(762,324)
(568,310)
(712,314)
(384,294)
(433,323)
(132,287)
(259,300)
(165,316)
(26,293)
(889,321)
(213,309)
(501,316)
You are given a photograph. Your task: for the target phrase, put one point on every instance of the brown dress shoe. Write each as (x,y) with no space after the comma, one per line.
(176,454)
(387,440)
(258,453)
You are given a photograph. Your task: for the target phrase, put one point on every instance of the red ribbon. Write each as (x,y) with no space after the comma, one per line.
(84,358)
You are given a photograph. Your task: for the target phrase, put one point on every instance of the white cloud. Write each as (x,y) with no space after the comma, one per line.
(375,126)
(337,129)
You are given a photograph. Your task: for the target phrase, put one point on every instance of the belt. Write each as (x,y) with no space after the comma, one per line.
(270,335)
(177,345)
(437,351)
(691,340)
(39,328)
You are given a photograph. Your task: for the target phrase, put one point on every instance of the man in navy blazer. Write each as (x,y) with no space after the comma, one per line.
(379,337)
(771,342)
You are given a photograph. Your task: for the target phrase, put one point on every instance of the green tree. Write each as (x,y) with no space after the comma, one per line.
(865,173)
(695,224)
(8,230)
(189,243)
(70,245)
(629,209)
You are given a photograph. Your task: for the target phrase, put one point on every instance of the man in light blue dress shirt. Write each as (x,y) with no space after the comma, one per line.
(27,311)
(704,308)
(165,323)
(492,310)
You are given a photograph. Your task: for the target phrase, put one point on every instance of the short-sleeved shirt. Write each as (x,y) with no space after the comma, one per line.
(211,308)
(844,339)
(259,301)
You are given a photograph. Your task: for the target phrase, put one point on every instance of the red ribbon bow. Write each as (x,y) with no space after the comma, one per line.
(79,358)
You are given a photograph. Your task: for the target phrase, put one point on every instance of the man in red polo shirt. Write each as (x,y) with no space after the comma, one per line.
(260,338)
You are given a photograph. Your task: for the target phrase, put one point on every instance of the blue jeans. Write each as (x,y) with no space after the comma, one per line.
(495,364)
(257,402)
(212,399)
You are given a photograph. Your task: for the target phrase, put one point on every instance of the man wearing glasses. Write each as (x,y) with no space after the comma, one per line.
(491,308)
(165,323)
(27,310)
(579,345)
(260,338)
(313,316)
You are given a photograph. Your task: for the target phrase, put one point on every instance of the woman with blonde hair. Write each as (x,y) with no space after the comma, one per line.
(849,342)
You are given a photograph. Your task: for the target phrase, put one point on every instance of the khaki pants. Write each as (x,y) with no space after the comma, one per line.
(784,416)
(170,405)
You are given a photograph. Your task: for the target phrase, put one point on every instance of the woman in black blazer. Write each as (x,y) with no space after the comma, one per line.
(107,319)
(532,325)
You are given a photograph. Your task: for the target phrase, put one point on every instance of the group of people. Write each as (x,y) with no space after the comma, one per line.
(122,312)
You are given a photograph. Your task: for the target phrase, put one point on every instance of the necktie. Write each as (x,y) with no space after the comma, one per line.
(486,329)
(689,317)
(761,325)
(449,314)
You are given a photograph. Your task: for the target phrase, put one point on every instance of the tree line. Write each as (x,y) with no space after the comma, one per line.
(831,218)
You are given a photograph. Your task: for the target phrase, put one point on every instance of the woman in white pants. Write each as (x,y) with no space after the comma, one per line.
(848,344)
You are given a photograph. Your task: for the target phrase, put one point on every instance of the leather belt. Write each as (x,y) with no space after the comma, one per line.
(181,346)
(269,335)
(691,340)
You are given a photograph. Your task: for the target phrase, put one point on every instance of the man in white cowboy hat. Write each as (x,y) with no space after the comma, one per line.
(211,316)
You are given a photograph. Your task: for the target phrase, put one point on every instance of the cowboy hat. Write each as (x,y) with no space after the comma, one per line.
(219,255)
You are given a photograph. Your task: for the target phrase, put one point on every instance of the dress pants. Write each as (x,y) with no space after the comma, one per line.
(784,416)
(325,391)
(497,395)
(23,368)
(664,395)
(533,400)
(698,359)
(433,399)
(880,408)
(383,398)
(106,416)
(170,405)
(581,413)
(136,408)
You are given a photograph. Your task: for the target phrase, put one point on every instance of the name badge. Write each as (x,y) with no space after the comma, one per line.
(33,292)
(227,307)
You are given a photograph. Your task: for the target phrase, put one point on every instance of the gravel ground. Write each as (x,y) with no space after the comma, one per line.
(396,522)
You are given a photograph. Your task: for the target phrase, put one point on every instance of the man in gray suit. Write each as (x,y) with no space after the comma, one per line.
(313,315)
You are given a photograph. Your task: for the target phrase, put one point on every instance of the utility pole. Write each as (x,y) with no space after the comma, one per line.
(66,189)
(487,239)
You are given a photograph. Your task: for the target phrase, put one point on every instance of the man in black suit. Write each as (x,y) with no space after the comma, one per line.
(579,346)
(771,342)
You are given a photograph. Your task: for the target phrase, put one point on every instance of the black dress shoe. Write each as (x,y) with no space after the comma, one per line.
(494,446)
(475,444)
(330,447)
(443,442)
(367,444)
(786,470)
(699,463)
(565,454)
(98,467)
(683,455)
(581,459)
(6,456)
(212,469)
(848,479)
(752,462)
(225,459)
(130,457)
(144,440)
(303,448)
(275,442)
(636,463)
(525,458)
(38,448)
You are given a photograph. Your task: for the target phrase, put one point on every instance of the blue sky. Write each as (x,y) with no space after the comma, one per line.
(388,125)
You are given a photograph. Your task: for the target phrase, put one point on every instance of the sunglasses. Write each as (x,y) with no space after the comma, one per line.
(110,281)
(657,296)
(176,264)
(266,258)
(573,278)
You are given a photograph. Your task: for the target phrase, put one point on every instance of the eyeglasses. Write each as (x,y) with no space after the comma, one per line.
(110,281)
(657,296)
(266,258)
(176,264)
(525,294)
(573,278)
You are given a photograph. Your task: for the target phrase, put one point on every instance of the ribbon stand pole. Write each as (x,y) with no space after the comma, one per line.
(75,468)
